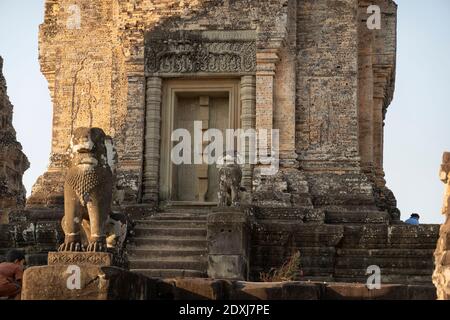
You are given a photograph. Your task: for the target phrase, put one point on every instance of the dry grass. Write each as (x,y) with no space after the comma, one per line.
(289,271)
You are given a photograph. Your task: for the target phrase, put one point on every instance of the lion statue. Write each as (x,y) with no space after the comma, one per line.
(230,177)
(87,222)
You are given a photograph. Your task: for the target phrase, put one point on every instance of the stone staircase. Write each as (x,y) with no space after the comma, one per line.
(171,243)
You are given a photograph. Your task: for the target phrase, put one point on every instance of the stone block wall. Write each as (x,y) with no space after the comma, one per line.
(343,252)
(96,72)
(376,82)
(35,231)
(109,283)
(310,85)
(331,250)
(337,86)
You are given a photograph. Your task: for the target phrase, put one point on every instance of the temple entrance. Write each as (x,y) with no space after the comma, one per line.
(198,182)
(194,107)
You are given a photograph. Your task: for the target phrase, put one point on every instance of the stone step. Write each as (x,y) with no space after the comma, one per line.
(190,264)
(170,273)
(384,263)
(386,253)
(189,205)
(168,243)
(199,211)
(389,279)
(142,232)
(139,211)
(203,211)
(355,272)
(171,223)
(140,254)
(364,217)
(179,216)
(171,243)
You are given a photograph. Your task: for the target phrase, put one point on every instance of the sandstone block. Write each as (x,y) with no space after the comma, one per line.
(96,283)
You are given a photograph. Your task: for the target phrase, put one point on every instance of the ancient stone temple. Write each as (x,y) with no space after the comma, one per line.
(311,69)
(140,69)
(13,161)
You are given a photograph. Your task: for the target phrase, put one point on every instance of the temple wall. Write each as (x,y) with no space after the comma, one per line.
(326,81)
(377,59)
(96,73)
(311,83)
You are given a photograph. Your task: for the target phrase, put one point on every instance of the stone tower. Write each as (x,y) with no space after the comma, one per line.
(13,161)
(311,70)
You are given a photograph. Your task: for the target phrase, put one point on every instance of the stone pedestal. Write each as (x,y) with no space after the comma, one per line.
(83,276)
(101,259)
(228,244)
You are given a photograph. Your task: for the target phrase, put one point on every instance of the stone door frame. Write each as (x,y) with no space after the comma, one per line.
(171,88)
(242,91)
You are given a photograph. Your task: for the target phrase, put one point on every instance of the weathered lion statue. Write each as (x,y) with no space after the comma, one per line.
(87,223)
(230,176)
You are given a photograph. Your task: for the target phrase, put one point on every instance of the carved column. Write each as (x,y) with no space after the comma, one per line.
(379,97)
(152,140)
(378,136)
(248,104)
(265,73)
(365,97)
(284,113)
(130,166)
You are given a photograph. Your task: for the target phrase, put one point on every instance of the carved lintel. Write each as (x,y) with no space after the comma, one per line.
(202,56)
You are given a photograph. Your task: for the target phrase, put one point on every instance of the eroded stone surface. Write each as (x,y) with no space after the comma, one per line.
(297,75)
(88,189)
(96,283)
(228,245)
(13,162)
(441,275)
(114,284)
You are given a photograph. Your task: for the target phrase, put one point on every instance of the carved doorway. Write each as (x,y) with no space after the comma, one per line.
(214,103)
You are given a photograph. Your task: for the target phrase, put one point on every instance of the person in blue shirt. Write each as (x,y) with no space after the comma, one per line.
(414,220)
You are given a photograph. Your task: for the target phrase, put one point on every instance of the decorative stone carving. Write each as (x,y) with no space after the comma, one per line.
(88,194)
(441,276)
(188,56)
(230,176)
(80,258)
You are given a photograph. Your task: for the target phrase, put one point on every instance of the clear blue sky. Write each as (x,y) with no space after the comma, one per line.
(417,124)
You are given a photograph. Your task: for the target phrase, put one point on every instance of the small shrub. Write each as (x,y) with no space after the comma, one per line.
(289,271)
